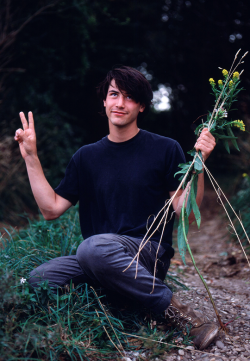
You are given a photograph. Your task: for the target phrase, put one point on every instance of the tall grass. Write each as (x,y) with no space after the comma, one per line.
(77,324)
(240,203)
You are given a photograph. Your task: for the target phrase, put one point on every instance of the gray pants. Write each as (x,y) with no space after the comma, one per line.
(101,260)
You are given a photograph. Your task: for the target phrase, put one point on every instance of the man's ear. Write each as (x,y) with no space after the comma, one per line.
(142,108)
(104,103)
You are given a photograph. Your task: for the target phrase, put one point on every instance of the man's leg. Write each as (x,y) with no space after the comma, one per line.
(59,272)
(103,259)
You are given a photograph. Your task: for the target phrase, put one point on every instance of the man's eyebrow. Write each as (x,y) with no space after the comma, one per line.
(113,91)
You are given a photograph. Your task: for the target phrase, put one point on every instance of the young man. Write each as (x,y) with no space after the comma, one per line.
(119,182)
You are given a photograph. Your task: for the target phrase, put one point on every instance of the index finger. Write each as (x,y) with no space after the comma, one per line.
(31,121)
(24,121)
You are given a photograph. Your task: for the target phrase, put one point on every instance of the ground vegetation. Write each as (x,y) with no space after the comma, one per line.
(77,322)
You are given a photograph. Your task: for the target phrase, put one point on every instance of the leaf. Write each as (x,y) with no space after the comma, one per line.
(184,167)
(225,143)
(230,132)
(198,164)
(189,205)
(222,136)
(182,246)
(194,204)
(195,181)
(63,297)
(191,152)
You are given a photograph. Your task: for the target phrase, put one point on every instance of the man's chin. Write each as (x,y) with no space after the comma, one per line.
(119,123)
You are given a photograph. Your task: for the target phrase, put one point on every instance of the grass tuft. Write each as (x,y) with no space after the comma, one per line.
(80,323)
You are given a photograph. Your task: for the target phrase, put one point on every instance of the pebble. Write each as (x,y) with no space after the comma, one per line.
(181,352)
(220,344)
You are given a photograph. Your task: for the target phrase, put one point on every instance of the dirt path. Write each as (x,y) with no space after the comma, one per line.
(225,269)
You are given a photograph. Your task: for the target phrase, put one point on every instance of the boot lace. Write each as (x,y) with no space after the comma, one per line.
(178,317)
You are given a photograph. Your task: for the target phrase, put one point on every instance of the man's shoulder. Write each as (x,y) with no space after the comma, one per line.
(159,139)
(89,148)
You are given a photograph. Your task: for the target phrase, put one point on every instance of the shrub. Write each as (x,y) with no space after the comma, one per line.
(240,204)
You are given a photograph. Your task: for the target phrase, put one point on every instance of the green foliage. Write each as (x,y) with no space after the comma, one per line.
(37,324)
(182,246)
(56,144)
(194,206)
(225,94)
(240,203)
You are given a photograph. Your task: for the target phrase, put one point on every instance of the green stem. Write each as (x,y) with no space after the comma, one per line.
(191,255)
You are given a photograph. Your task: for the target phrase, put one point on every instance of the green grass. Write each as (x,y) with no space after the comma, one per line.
(78,324)
(241,203)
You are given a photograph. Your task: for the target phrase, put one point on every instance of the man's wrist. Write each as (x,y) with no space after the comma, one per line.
(31,159)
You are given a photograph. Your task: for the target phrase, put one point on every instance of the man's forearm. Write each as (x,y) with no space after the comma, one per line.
(51,204)
(44,194)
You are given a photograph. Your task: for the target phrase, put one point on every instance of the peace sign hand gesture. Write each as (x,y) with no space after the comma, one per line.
(26,137)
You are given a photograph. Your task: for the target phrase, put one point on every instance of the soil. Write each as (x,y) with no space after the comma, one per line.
(226,271)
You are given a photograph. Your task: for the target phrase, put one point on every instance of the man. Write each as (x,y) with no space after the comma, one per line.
(119,182)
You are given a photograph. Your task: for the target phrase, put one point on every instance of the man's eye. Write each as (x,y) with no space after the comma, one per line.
(129,97)
(113,94)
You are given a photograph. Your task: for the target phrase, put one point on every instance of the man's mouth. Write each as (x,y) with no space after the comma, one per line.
(117,112)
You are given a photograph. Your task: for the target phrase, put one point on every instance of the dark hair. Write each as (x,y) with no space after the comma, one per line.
(130,81)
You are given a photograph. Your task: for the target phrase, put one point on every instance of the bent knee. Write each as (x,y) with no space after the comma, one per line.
(88,249)
(93,249)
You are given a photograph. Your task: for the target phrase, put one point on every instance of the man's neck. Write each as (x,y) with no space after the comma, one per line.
(122,134)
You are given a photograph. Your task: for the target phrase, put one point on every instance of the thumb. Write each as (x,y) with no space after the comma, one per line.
(19,135)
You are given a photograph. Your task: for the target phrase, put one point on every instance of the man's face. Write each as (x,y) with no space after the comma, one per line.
(121,109)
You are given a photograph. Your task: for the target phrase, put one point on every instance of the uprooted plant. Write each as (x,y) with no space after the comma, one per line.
(220,127)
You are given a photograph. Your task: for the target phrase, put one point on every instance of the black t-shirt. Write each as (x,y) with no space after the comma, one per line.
(122,186)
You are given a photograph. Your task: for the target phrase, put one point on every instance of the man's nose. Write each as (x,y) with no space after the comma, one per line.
(120,101)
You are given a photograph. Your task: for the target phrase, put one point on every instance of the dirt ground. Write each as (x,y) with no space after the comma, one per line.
(227,274)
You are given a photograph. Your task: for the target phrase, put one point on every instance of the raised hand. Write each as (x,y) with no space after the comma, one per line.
(26,137)
(205,143)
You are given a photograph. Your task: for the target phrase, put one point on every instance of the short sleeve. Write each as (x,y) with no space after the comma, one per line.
(69,186)
(177,156)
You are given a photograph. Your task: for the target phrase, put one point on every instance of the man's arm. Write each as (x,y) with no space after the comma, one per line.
(205,143)
(51,204)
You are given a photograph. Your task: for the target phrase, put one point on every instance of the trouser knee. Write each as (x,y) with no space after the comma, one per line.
(96,251)
(89,252)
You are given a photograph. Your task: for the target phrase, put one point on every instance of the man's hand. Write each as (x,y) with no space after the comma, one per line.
(205,143)
(26,137)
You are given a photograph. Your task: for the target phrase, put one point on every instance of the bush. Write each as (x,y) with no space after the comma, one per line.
(240,204)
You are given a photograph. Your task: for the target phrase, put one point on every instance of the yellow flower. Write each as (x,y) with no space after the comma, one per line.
(240,124)
(220,82)
(211,81)
(244,175)
(231,83)
(224,72)
(236,75)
